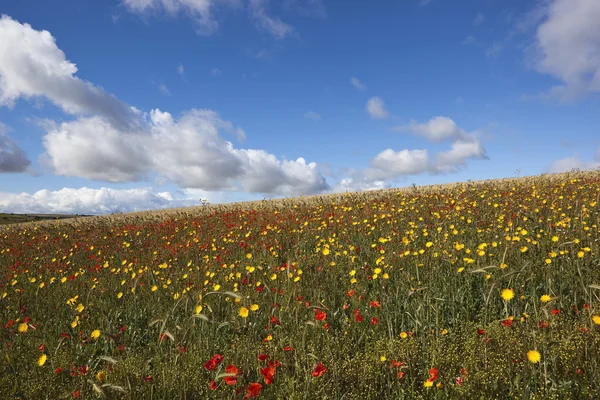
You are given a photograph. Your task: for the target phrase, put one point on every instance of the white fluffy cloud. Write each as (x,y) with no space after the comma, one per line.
(31,65)
(390,165)
(106,146)
(94,201)
(575,162)
(12,157)
(437,129)
(567,46)
(376,108)
(188,151)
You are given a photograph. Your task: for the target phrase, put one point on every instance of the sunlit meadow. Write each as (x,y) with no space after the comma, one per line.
(474,291)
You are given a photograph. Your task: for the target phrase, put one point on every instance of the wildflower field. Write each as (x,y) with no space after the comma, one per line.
(475,291)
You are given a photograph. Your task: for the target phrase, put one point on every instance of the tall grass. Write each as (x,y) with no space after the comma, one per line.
(396,294)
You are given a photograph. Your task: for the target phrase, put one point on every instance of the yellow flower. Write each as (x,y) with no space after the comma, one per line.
(545,298)
(101,376)
(326,251)
(444,331)
(403,335)
(428,384)
(596,319)
(80,308)
(248,256)
(42,360)
(95,334)
(383,359)
(461,269)
(534,356)
(254,307)
(507,294)
(154,288)
(119,295)
(198,309)
(23,327)
(243,312)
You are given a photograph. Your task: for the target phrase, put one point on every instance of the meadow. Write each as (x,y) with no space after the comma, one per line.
(485,290)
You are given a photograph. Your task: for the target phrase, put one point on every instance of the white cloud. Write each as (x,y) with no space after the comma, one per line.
(97,201)
(423,3)
(312,115)
(455,159)
(357,84)
(216,72)
(188,151)
(201,11)
(31,66)
(567,46)
(271,25)
(180,69)
(479,18)
(376,108)
(436,129)
(390,164)
(575,162)
(12,157)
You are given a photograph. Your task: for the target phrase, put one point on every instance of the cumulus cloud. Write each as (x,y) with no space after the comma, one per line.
(567,46)
(94,201)
(376,108)
(390,165)
(188,151)
(575,162)
(12,157)
(32,66)
(357,84)
(437,129)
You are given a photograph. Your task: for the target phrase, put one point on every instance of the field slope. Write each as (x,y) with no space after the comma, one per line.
(483,290)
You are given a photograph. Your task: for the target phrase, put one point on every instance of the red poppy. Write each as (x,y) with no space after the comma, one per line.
(507,322)
(268,373)
(274,364)
(275,320)
(58,370)
(394,363)
(231,380)
(481,331)
(213,385)
(288,348)
(319,370)
(400,374)
(263,357)
(253,390)
(459,380)
(214,362)
(555,311)
(320,315)
(433,374)
(374,321)
(375,304)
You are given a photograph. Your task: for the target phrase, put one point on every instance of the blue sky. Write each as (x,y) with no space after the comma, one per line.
(137,104)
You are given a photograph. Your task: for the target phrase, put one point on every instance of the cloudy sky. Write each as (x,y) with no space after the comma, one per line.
(123,105)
